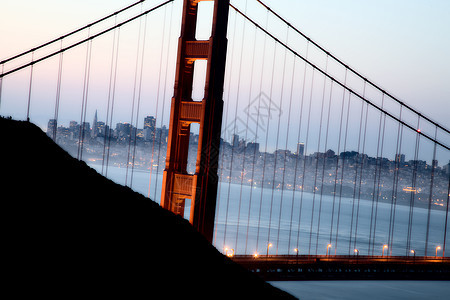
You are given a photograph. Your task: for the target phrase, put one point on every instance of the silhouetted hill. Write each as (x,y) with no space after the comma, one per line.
(68,231)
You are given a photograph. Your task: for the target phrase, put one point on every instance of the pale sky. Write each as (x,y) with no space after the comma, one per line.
(403,45)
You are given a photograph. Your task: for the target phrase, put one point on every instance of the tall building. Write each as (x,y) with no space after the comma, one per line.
(85,130)
(235,140)
(149,128)
(150,122)
(300,149)
(95,129)
(51,127)
(400,158)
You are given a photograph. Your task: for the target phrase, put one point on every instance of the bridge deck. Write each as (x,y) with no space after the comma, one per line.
(343,267)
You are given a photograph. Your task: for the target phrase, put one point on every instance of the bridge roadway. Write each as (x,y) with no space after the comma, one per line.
(344,267)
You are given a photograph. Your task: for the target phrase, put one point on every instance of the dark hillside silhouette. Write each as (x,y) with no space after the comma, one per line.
(68,231)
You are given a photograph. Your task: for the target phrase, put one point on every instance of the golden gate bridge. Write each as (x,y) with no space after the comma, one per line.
(277,151)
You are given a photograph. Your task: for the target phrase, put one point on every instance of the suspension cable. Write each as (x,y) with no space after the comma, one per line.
(348,89)
(84,40)
(71,33)
(349,68)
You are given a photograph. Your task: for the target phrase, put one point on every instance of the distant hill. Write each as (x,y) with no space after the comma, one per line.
(68,231)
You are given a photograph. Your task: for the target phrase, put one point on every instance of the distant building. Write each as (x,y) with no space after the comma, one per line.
(124,130)
(300,149)
(95,129)
(434,163)
(446,168)
(252,148)
(86,129)
(51,127)
(149,128)
(235,142)
(400,158)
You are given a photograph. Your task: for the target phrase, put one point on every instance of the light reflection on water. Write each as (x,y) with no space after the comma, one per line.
(271,212)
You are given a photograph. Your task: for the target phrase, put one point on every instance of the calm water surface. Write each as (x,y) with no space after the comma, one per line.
(248,219)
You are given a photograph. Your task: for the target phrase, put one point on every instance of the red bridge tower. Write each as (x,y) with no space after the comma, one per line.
(200,187)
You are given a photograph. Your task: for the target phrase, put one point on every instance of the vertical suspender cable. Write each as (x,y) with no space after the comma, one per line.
(430,198)
(257,126)
(303,156)
(295,171)
(132,134)
(1,85)
(413,185)
(308,123)
(342,174)
(139,99)
(30,86)
(164,93)
(256,138)
(446,219)
(324,165)
(285,159)
(379,181)
(266,142)
(375,180)
(337,160)
(58,94)
(356,176)
(156,115)
(395,184)
(111,97)
(276,148)
(362,160)
(243,162)
(234,131)
(87,71)
(317,158)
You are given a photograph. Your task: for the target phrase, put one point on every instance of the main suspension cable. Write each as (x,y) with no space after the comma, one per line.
(447,147)
(70,33)
(349,68)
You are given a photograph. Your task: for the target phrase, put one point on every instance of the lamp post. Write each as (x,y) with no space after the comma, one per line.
(268,246)
(296,254)
(229,252)
(413,252)
(328,247)
(437,248)
(384,247)
(356,251)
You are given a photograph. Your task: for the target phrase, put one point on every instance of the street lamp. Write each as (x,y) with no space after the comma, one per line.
(356,252)
(437,248)
(413,252)
(229,252)
(268,246)
(384,247)
(328,247)
(255,255)
(296,252)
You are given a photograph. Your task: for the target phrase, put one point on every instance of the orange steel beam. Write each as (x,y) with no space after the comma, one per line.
(200,187)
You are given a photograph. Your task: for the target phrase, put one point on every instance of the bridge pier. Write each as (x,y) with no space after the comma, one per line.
(200,187)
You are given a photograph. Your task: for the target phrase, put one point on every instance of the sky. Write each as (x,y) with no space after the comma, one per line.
(400,45)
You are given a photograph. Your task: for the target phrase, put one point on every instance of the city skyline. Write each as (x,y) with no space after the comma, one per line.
(322,172)
(231,139)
